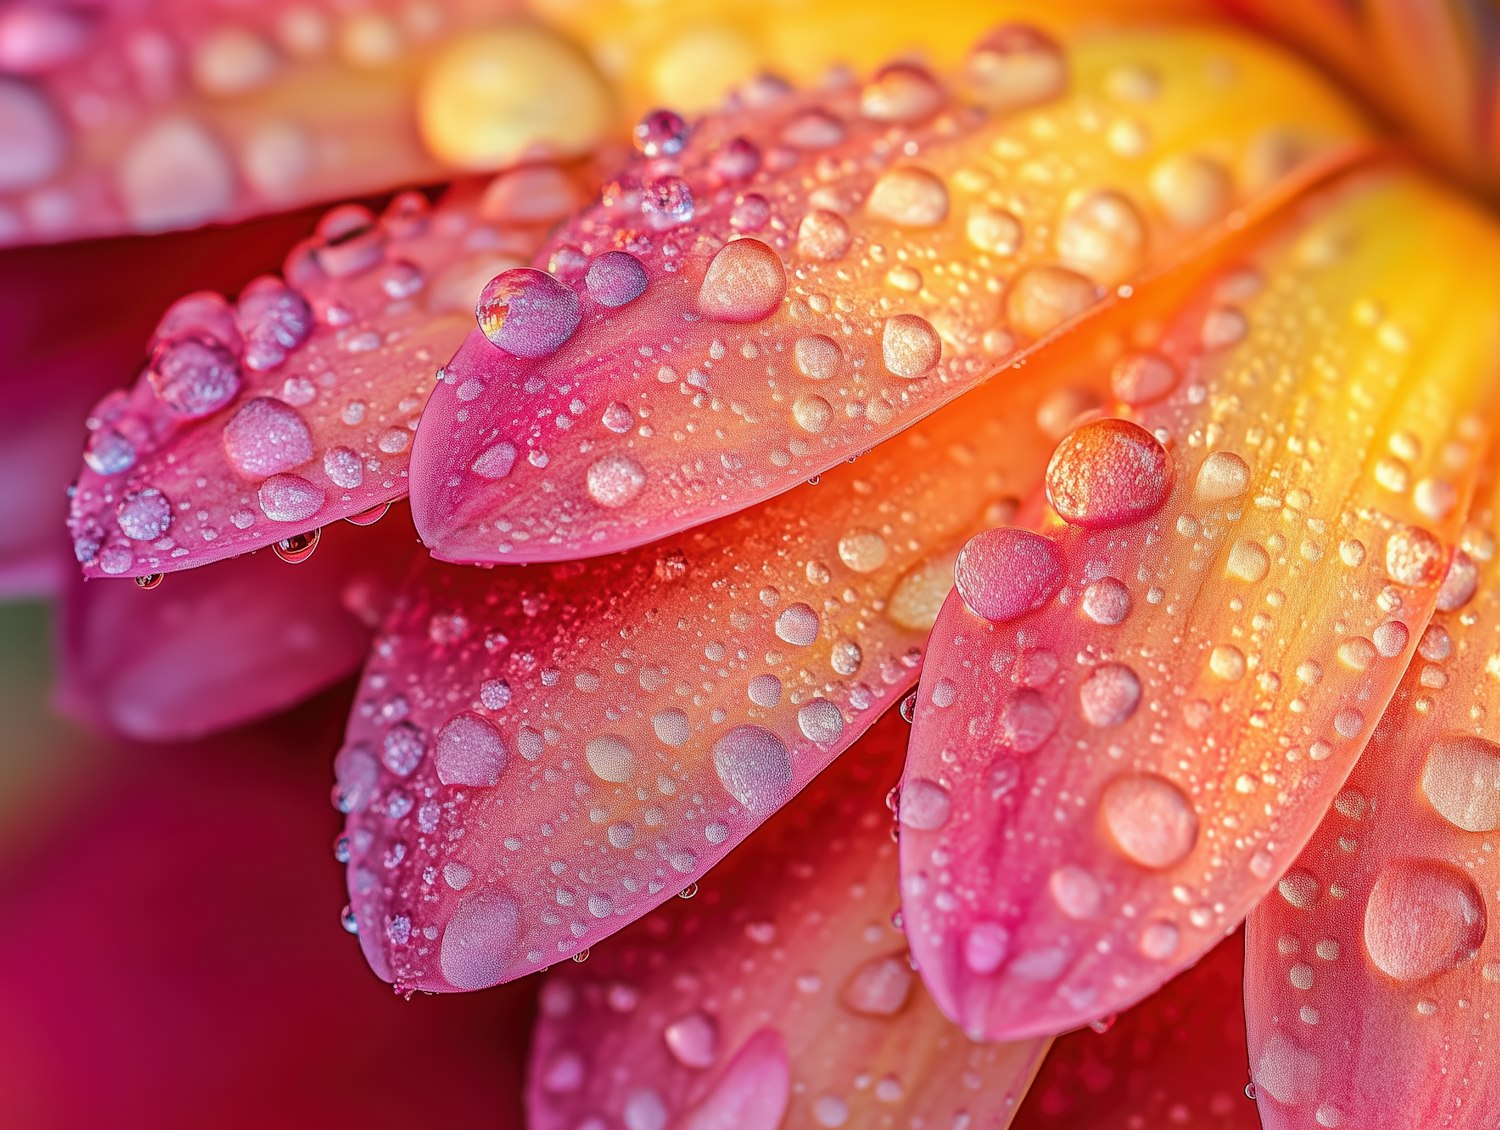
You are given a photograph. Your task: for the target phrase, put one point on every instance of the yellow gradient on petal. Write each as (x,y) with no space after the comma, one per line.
(1328,423)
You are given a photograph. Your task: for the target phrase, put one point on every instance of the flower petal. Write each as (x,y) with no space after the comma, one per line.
(656,706)
(1133,762)
(216,647)
(295,406)
(897,245)
(63,350)
(1372,974)
(179,864)
(169,114)
(781,979)
(1176,1059)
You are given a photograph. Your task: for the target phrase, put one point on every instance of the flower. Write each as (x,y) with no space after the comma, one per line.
(1102,389)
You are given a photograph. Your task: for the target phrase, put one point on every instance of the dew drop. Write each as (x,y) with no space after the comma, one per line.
(1461,780)
(297,548)
(1423,918)
(754,767)
(1108,473)
(527,312)
(1006,572)
(746,282)
(1150,819)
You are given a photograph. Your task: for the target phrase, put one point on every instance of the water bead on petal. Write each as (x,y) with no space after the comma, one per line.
(527,312)
(1004,573)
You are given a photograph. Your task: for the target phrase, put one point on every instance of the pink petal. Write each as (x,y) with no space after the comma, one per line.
(780,994)
(1124,771)
(173,961)
(1176,1059)
(209,649)
(168,114)
(63,349)
(1373,970)
(294,407)
(818,277)
(634,717)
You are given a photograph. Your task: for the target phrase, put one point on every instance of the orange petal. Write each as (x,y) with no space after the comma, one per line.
(1130,766)
(1175,1059)
(813,273)
(1372,976)
(172,113)
(780,994)
(259,421)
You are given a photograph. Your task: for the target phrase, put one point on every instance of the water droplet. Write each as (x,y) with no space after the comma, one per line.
(1106,601)
(615,279)
(693,1040)
(1141,378)
(1006,572)
(1413,557)
(479,941)
(880,986)
(527,312)
(615,480)
(1016,65)
(909,346)
(746,282)
(290,498)
(1076,892)
(1108,473)
(1042,298)
(1222,477)
(824,236)
(369,517)
(1423,918)
(144,514)
(754,767)
(297,548)
(1103,236)
(909,197)
(469,752)
(1152,822)
(797,625)
(1461,779)
(194,378)
(1110,695)
(265,437)
(611,759)
(925,805)
(150,580)
(820,721)
(661,133)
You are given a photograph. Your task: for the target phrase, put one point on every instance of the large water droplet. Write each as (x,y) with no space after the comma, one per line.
(1150,819)
(1108,473)
(1423,918)
(754,767)
(746,282)
(1007,572)
(469,752)
(1461,779)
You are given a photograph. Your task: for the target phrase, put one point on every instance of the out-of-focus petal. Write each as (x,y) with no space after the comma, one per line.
(295,406)
(691,53)
(1176,1059)
(161,114)
(173,960)
(1429,66)
(1134,723)
(64,346)
(791,281)
(783,970)
(211,648)
(1373,970)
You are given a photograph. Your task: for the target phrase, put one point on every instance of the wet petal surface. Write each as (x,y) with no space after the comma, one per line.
(208,649)
(780,991)
(1373,968)
(1132,764)
(168,114)
(823,269)
(1176,1059)
(295,405)
(655,706)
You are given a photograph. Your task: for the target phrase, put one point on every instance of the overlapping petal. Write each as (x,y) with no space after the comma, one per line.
(1128,725)
(63,348)
(634,717)
(266,418)
(780,994)
(1176,1059)
(212,648)
(1372,972)
(785,284)
(163,114)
